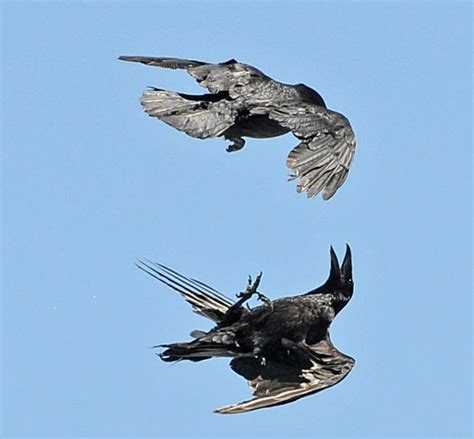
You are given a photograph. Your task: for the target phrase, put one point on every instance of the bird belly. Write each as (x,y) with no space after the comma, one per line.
(257,126)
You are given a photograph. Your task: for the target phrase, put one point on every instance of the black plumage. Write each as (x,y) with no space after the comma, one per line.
(244,102)
(282,347)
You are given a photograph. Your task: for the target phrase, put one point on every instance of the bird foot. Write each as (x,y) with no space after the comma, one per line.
(237,144)
(250,291)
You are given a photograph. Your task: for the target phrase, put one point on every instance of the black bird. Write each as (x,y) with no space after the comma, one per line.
(282,347)
(244,102)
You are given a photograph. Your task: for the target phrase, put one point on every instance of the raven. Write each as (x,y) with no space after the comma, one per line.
(282,347)
(244,102)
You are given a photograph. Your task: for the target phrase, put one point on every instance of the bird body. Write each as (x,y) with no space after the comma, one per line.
(282,347)
(244,102)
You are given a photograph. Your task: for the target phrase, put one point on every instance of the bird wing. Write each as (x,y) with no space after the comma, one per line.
(197,118)
(324,156)
(312,369)
(204,299)
(235,78)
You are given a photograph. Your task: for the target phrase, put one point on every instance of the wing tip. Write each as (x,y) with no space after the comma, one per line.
(232,409)
(131,58)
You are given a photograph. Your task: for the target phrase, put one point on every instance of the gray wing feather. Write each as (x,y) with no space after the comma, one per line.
(196,118)
(231,76)
(324,156)
(204,299)
(328,367)
(167,63)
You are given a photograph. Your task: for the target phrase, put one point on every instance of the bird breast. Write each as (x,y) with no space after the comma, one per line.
(295,319)
(258,126)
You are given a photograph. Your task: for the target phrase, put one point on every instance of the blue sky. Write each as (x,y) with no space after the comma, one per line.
(90,184)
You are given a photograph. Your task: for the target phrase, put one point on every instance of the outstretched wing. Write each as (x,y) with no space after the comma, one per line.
(324,156)
(235,78)
(204,299)
(312,368)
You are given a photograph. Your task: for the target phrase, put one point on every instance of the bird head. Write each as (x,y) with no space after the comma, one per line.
(340,277)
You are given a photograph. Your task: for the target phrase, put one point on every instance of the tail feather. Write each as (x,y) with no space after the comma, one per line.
(197,118)
(194,351)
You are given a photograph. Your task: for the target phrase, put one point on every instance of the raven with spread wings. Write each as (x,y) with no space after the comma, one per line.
(281,347)
(244,102)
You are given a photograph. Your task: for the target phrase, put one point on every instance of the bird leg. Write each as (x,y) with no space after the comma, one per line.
(237,143)
(235,311)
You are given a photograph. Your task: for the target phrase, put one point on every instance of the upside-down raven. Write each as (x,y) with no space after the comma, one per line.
(244,102)
(282,347)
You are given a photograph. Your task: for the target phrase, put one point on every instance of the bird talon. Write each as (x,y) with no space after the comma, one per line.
(250,290)
(236,145)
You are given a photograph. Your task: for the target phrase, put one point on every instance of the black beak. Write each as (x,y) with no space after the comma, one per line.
(346,267)
(334,272)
